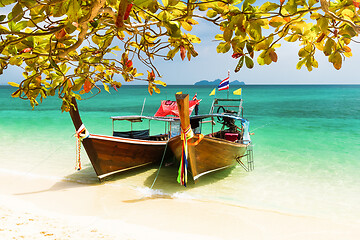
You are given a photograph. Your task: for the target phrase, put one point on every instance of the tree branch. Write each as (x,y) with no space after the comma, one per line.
(325,7)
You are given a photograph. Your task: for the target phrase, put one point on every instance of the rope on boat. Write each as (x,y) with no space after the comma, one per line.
(162,160)
(80,135)
(253,130)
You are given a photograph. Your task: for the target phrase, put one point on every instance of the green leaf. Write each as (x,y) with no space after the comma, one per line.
(108,41)
(20,26)
(3,3)
(269,6)
(255,31)
(74,11)
(211,13)
(292,38)
(164,16)
(277,21)
(2,17)
(142,3)
(223,47)
(249,62)
(173,2)
(219,37)
(54,65)
(173,28)
(323,23)
(247,3)
(16,61)
(240,64)
(315,16)
(60,9)
(70,28)
(250,49)
(291,7)
(17,12)
(228,34)
(329,46)
(336,59)
(303,53)
(312,2)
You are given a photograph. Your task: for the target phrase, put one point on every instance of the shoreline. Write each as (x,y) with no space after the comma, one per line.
(34,208)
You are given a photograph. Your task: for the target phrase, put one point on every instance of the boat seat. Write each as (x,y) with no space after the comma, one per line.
(162,137)
(138,134)
(232,136)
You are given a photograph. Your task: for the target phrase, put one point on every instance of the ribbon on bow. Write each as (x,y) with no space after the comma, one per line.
(186,135)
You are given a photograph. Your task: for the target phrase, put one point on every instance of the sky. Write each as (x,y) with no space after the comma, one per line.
(210,65)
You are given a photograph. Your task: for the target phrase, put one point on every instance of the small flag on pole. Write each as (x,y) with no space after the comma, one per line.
(212,92)
(237,92)
(224,84)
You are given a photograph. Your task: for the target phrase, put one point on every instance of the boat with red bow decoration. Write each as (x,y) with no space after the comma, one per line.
(202,153)
(125,150)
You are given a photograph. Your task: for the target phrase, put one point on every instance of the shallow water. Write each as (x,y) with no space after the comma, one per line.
(306,143)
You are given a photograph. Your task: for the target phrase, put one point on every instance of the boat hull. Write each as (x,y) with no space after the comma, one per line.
(110,155)
(209,155)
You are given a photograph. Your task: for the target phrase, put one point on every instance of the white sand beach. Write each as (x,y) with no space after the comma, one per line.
(40,208)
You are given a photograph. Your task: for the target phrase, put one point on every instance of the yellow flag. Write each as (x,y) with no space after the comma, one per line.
(179,93)
(237,92)
(212,92)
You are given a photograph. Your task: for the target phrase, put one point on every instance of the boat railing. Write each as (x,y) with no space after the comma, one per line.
(144,134)
(226,104)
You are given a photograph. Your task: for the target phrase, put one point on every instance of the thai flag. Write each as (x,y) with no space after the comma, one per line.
(224,84)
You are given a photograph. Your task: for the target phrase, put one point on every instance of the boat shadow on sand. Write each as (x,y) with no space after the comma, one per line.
(163,184)
(166,185)
(85,177)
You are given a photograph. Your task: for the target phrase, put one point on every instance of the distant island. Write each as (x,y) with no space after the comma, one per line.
(216,82)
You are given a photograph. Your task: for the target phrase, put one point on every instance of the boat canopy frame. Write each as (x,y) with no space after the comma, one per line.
(139,118)
(227,103)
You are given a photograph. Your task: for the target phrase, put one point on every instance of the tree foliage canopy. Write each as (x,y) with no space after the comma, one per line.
(67,47)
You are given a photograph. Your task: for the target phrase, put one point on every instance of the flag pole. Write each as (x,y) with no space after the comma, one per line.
(229,85)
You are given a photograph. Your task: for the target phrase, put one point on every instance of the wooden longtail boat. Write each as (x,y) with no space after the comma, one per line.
(215,150)
(124,150)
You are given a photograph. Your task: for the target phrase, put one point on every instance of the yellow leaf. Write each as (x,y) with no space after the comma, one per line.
(160,82)
(192,21)
(186,26)
(315,63)
(347,13)
(348,54)
(138,74)
(13,84)
(156,89)
(277,21)
(116,48)
(106,87)
(99,68)
(346,49)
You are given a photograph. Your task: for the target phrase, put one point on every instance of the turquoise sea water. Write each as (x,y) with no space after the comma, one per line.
(306,143)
